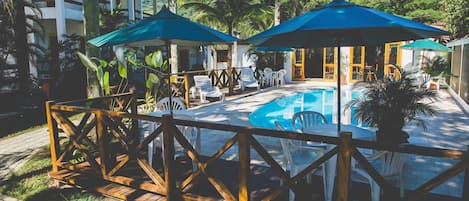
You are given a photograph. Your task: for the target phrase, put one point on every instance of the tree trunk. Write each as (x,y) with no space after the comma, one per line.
(230,61)
(91,25)
(21,45)
(277,12)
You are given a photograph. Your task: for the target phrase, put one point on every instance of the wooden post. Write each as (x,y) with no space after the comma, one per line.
(168,143)
(102,144)
(244,166)
(53,136)
(186,89)
(134,110)
(342,181)
(465,192)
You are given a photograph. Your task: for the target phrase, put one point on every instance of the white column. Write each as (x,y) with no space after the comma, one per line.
(111,5)
(140,8)
(60,19)
(131,9)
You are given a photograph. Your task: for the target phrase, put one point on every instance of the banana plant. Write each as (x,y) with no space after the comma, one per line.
(102,69)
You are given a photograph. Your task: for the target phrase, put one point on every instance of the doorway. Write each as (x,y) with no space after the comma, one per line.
(313,63)
(183,60)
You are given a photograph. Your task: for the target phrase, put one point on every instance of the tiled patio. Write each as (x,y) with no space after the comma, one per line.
(448,129)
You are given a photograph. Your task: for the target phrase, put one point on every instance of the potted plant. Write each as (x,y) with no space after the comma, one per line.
(389,104)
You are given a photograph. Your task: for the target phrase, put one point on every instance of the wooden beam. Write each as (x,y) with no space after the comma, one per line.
(186,90)
(244,166)
(53,136)
(168,143)
(344,159)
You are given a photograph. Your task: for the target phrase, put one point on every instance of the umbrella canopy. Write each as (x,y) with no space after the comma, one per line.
(426,44)
(345,24)
(163,28)
(341,23)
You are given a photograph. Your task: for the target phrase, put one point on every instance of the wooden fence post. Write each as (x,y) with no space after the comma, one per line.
(53,136)
(465,191)
(342,184)
(168,143)
(134,110)
(186,89)
(103,145)
(244,166)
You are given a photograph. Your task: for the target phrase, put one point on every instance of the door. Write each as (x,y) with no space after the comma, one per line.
(183,60)
(392,58)
(357,63)
(329,64)
(313,63)
(298,65)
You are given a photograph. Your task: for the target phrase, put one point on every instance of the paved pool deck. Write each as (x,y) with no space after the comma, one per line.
(448,129)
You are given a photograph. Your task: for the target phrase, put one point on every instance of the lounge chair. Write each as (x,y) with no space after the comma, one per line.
(247,79)
(203,87)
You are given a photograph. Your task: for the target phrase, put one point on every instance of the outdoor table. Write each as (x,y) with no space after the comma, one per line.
(331,130)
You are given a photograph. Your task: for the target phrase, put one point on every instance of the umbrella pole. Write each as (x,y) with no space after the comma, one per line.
(168,50)
(338,88)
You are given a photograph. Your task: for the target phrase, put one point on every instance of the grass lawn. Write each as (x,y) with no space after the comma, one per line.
(31,183)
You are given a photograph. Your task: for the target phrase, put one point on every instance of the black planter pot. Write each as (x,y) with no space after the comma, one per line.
(392,137)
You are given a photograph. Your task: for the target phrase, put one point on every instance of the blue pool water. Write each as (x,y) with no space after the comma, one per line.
(319,100)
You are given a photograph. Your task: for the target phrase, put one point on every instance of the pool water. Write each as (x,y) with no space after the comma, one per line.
(323,101)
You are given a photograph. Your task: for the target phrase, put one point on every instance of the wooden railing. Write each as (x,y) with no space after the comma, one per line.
(120,125)
(219,78)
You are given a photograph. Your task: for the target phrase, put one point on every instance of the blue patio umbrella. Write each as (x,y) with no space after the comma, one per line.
(425,44)
(342,23)
(163,28)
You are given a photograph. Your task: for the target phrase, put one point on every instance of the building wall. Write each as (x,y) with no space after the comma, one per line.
(459,82)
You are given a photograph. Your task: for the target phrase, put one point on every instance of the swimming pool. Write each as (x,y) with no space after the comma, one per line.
(323,101)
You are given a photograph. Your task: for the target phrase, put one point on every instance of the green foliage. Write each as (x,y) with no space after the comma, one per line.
(112,20)
(389,104)
(457,17)
(8,25)
(436,66)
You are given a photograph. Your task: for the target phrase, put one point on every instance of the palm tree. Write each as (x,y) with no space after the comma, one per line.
(91,25)
(225,15)
(14,36)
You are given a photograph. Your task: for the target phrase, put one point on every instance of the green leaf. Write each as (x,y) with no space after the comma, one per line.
(122,71)
(87,62)
(152,79)
(106,83)
(100,76)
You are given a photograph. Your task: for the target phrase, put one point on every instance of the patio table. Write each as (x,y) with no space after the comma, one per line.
(331,130)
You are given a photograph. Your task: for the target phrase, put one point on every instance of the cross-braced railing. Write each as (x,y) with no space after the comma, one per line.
(115,146)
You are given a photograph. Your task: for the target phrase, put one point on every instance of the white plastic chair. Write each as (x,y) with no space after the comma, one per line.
(164,104)
(392,165)
(146,128)
(268,79)
(247,79)
(281,77)
(298,156)
(308,119)
(203,86)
